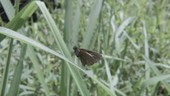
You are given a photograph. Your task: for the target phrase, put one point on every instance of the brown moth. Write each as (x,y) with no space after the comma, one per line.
(87,57)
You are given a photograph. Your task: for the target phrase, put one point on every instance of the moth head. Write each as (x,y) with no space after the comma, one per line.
(76,51)
(75,48)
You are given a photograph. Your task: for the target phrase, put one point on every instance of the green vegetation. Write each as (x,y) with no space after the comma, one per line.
(37,59)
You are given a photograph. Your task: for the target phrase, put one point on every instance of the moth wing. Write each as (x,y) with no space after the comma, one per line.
(94,54)
(89,57)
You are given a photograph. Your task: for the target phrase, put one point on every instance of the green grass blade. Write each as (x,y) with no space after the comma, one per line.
(65,75)
(22,16)
(28,41)
(91,25)
(5,74)
(9,9)
(32,56)
(14,88)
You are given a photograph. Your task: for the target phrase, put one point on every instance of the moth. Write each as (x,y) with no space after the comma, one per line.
(87,57)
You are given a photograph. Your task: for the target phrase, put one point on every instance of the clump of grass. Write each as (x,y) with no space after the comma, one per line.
(131,36)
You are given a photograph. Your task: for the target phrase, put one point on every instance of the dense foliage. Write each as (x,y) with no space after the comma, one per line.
(36,48)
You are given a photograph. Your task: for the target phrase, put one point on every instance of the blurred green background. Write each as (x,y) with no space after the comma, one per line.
(37,37)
